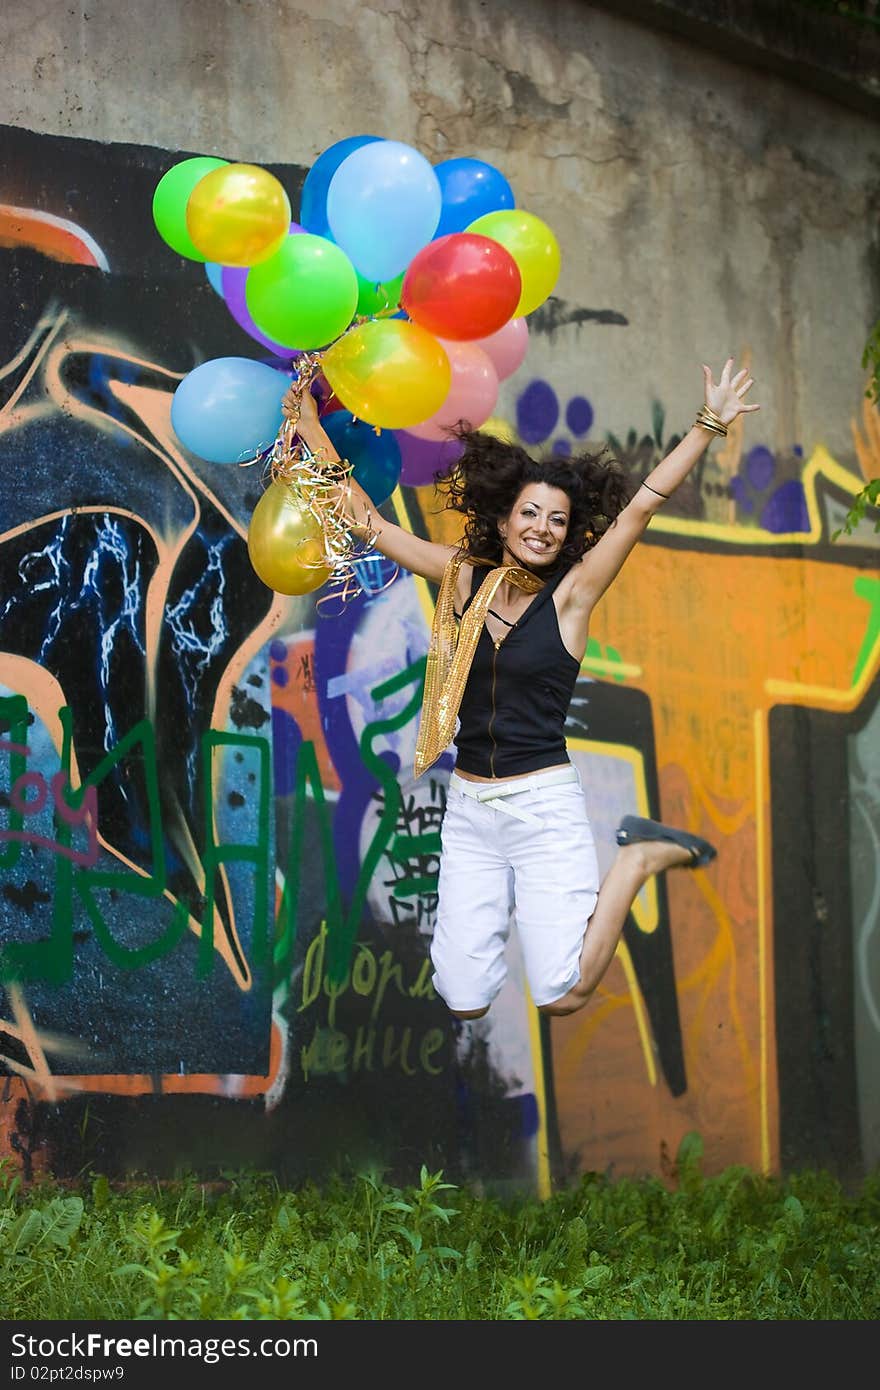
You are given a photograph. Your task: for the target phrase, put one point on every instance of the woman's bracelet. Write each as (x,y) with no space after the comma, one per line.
(665,495)
(707,418)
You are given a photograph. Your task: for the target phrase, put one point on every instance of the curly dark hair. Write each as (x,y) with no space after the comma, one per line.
(490,474)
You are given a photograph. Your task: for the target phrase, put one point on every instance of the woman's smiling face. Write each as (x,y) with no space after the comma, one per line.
(534,532)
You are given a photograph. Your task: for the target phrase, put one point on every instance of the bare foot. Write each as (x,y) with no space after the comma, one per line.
(655,856)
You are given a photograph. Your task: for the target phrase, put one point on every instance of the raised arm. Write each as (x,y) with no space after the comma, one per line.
(425,558)
(723,402)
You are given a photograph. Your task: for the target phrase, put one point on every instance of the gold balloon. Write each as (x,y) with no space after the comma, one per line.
(286,543)
(240,218)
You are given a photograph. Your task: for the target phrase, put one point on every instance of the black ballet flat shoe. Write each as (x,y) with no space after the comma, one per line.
(635,828)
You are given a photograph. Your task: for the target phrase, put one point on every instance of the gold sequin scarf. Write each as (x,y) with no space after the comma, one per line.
(451,651)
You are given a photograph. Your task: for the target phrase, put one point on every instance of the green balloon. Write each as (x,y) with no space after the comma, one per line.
(304,295)
(379,299)
(171,197)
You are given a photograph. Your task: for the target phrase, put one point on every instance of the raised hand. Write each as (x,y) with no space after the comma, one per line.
(299,405)
(726,396)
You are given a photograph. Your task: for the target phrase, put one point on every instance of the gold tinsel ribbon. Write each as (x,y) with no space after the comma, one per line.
(322,487)
(451,652)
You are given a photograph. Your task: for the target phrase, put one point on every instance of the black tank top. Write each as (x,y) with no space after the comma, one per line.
(512,713)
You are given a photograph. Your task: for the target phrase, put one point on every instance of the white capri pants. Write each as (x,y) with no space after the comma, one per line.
(524,845)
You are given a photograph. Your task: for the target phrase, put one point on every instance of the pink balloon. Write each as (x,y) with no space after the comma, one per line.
(232,281)
(507,347)
(472,394)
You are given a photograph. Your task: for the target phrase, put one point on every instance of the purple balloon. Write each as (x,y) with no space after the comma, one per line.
(420,459)
(233,279)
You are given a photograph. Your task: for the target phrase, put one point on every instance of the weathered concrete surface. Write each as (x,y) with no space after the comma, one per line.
(702,207)
(815,48)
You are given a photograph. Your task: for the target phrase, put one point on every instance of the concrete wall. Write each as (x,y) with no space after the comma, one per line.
(715,208)
(704,206)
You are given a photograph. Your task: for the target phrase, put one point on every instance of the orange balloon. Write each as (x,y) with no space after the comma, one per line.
(286,543)
(239,218)
(388,372)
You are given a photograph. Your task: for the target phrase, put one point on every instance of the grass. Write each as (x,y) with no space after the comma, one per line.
(734,1246)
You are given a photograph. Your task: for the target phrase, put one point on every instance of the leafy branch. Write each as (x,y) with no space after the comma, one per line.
(868,496)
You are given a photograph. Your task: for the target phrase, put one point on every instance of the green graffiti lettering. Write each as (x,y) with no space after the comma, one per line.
(313,968)
(422,988)
(362,1052)
(307,777)
(341,941)
(14,715)
(334,989)
(363,973)
(389,970)
(414,887)
(326,1053)
(52,960)
(389,1048)
(331,1052)
(431,1043)
(337,1051)
(405,847)
(342,927)
(85,882)
(308,1057)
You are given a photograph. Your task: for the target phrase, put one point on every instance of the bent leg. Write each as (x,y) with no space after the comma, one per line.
(631,869)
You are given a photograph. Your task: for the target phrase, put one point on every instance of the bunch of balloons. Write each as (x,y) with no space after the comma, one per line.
(413,281)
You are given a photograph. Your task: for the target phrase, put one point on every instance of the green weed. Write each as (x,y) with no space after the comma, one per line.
(738,1245)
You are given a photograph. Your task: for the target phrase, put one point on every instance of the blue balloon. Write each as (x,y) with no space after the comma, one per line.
(214,273)
(228,410)
(375,458)
(383,205)
(470,188)
(313,199)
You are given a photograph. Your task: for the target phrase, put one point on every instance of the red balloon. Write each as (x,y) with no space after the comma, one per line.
(461,286)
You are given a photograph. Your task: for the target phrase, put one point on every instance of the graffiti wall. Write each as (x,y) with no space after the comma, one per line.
(217,871)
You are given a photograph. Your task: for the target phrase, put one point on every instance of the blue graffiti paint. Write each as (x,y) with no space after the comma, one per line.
(286,740)
(579,415)
(760,467)
(333,640)
(528,1114)
(537,412)
(102,372)
(739,492)
(786,510)
(782,509)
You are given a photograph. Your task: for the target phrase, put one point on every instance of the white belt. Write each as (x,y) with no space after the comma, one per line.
(497,794)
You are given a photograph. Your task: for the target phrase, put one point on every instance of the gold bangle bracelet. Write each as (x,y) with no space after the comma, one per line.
(706,416)
(710,421)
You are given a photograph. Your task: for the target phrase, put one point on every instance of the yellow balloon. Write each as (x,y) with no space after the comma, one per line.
(240,218)
(532,245)
(286,543)
(388,372)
